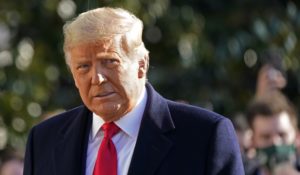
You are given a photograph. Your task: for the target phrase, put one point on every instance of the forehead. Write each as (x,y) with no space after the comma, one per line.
(105,45)
(277,123)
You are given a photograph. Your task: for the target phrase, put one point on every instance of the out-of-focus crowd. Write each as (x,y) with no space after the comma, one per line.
(11,162)
(268,129)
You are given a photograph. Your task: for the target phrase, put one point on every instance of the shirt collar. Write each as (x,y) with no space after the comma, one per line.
(129,123)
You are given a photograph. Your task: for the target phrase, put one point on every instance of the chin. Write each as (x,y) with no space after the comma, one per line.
(109,117)
(107,113)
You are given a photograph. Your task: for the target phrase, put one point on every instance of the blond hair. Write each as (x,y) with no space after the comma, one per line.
(106,23)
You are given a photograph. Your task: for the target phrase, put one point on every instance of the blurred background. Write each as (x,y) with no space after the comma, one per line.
(206,53)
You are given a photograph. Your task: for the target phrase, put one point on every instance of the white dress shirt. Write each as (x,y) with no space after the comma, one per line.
(124,140)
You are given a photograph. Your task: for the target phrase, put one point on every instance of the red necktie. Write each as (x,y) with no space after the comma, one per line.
(106,162)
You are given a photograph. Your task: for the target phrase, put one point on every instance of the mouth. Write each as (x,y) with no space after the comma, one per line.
(103,95)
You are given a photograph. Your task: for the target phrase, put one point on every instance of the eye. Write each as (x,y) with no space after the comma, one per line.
(282,134)
(110,63)
(266,136)
(83,67)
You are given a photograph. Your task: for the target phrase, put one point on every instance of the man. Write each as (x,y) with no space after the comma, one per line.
(274,124)
(125,126)
(244,135)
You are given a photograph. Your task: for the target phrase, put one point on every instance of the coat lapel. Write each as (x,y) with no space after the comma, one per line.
(70,152)
(151,148)
(152,145)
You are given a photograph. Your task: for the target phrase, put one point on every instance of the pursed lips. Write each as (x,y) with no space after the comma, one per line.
(104,94)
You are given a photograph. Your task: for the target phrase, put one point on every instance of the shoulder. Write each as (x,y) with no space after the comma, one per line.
(190,113)
(183,114)
(58,122)
(196,120)
(61,118)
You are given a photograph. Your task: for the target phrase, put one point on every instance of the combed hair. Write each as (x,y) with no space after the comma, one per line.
(106,23)
(270,104)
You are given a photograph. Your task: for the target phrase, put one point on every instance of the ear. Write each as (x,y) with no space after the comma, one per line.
(143,67)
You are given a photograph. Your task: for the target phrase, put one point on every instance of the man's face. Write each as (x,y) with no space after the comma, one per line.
(108,82)
(273,130)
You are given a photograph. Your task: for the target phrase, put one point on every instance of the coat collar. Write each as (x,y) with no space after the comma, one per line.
(152,144)
(70,152)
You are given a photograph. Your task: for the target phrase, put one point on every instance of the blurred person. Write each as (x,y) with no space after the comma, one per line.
(271,75)
(125,126)
(269,79)
(243,131)
(11,163)
(285,169)
(273,121)
(274,75)
(244,135)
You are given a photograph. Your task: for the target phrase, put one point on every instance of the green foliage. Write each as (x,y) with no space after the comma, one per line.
(206,53)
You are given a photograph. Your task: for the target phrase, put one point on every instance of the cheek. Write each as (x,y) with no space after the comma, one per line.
(291,136)
(82,85)
(130,84)
(77,83)
(126,81)
(76,77)
(125,89)
(257,139)
(260,141)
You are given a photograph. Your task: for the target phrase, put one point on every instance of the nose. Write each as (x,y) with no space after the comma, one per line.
(98,77)
(277,140)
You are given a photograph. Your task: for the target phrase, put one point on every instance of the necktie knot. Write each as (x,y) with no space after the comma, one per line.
(110,129)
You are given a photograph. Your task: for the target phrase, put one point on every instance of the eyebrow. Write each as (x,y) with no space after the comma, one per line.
(81,60)
(108,55)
